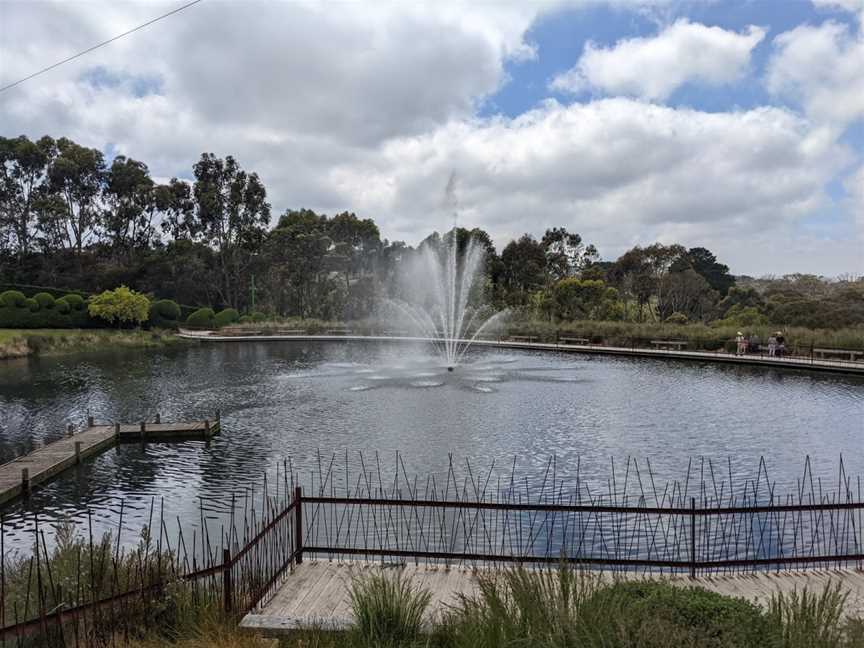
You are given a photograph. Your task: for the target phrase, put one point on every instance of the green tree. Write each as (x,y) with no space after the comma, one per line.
(704,262)
(231,213)
(23,168)
(130,205)
(120,305)
(566,254)
(76,179)
(523,264)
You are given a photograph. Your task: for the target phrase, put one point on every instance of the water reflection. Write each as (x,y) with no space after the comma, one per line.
(291,399)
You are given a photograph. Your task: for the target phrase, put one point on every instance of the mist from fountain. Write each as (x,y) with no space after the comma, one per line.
(442,289)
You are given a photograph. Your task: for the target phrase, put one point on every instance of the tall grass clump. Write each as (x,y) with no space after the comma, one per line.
(808,620)
(388,609)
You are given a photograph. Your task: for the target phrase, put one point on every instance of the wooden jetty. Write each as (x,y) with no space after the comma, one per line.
(20,475)
(316,593)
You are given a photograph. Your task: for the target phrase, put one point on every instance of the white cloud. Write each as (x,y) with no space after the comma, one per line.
(823,69)
(845,5)
(652,68)
(618,171)
(371,110)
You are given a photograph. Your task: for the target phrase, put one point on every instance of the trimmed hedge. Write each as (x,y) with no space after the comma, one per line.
(202,318)
(43,311)
(226,317)
(76,302)
(12,298)
(45,300)
(164,313)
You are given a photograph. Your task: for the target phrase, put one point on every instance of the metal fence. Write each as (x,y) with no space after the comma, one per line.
(93,592)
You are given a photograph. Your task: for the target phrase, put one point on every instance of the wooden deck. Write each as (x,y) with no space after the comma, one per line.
(24,473)
(316,595)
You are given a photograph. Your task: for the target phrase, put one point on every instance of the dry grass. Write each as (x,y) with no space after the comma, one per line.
(22,342)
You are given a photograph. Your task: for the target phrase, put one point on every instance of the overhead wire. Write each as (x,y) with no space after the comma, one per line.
(95,47)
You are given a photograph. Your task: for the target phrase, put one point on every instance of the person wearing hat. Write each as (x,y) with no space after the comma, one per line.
(742,343)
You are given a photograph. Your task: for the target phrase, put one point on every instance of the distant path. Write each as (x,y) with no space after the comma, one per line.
(836,366)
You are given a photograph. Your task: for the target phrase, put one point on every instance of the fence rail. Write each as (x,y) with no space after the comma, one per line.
(464,518)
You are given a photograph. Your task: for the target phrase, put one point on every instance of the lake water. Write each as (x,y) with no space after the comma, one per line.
(310,400)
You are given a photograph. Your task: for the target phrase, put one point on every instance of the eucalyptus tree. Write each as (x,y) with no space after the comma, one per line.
(231,214)
(130,206)
(23,173)
(72,209)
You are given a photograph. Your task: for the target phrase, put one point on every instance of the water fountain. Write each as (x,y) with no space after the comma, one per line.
(444,304)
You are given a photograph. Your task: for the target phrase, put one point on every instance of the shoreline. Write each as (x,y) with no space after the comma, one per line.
(787,362)
(16,344)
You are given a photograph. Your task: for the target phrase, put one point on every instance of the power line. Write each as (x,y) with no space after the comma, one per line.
(102,44)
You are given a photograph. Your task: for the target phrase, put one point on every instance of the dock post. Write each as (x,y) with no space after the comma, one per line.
(226,580)
(89,421)
(143,429)
(218,416)
(117,430)
(298,524)
(69,429)
(25,480)
(158,418)
(77,452)
(207,427)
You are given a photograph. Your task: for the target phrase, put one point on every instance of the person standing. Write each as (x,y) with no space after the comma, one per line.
(781,344)
(742,343)
(772,345)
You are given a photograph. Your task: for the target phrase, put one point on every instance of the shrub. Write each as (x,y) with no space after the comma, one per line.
(202,318)
(12,299)
(692,615)
(676,318)
(76,302)
(246,319)
(31,304)
(807,619)
(164,313)
(120,305)
(258,316)
(45,300)
(166,309)
(226,317)
(62,306)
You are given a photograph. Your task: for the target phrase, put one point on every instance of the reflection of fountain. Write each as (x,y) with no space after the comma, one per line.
(441,288)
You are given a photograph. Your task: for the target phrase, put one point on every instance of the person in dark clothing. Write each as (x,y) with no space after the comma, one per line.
(781,344)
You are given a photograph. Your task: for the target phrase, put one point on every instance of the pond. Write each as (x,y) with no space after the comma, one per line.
(306,401)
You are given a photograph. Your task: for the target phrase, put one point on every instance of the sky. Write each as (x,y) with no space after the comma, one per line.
(736,125)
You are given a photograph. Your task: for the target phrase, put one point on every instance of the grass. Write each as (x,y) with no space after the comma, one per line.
(23,342)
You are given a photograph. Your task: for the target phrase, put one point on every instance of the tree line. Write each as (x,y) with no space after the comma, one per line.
(70,219)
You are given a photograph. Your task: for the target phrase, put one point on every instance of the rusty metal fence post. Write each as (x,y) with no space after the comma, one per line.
(298,524)
(692,537)
(227,585)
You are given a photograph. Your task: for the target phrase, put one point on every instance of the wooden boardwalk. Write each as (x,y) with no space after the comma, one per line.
(315,594)
(20,475)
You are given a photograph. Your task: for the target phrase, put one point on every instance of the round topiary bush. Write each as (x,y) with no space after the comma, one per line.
(226,317)
(32,304)
(76,302)
(201,318)
(62,307)
(246,319)
(259,317)
(13,299)
(45,300)
(166,309)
